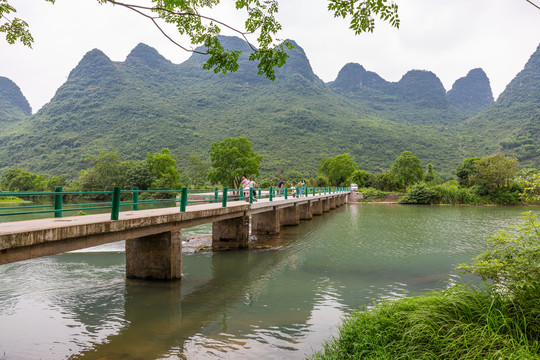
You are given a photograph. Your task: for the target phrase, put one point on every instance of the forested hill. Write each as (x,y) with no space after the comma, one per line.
(146,103)
(13,105)
(512,123)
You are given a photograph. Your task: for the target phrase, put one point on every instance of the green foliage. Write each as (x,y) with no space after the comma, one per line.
(372,194)
(512,260)
(431,176)
(338,169)
(465,170)
(358,177)
(407,170)
(162,166)
(195,172)
(22,180)
(459,322)
(231,159)
(495,171)
(531,191)
(419,194)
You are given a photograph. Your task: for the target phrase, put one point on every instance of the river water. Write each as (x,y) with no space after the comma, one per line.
(280,301)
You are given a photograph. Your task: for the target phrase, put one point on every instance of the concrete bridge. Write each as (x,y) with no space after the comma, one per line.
(153,237)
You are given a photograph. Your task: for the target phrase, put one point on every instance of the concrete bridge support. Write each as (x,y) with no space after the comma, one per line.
(289,216)
(325,204)
(317,207)
(265,223)
(305,212)
(155,257)
(231,233)
(332,202)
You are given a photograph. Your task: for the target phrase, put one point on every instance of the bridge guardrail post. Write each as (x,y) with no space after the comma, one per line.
(135,198)
(285,193)
(224,198)
(58,202)
(313,191)
(216,194)
(115,208)
(241,192)
(251,195)
(183,199)
(270,194)
(259,190)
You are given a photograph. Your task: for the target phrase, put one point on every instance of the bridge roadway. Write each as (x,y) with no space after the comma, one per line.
(153,237)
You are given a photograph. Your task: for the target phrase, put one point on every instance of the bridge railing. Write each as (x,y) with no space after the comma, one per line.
(54,202)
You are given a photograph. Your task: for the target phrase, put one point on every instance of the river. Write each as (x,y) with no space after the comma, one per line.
(280,301)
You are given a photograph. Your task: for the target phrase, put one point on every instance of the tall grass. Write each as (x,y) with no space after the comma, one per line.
(456,323)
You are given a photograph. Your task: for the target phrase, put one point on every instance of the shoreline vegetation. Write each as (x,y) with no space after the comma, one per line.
(11,199)
(497,319)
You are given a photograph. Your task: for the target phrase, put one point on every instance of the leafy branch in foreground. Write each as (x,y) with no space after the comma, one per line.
(190,17)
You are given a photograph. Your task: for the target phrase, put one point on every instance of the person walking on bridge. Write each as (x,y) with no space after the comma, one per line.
(280,187)
(252,185)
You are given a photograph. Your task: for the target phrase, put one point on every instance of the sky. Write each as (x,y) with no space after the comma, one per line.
(449,38)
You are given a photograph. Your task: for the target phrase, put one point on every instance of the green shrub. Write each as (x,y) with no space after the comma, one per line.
(371,194)
(420,194)
(512,260)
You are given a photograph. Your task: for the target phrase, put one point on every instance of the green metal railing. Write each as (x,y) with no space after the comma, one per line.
(136,198)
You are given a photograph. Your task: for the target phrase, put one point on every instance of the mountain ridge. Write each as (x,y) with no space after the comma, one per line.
(146,102)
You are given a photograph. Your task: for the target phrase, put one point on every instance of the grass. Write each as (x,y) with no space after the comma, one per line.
(10,199)
(460,322)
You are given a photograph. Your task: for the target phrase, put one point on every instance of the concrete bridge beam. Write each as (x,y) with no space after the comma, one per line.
(155,257)
(230,233)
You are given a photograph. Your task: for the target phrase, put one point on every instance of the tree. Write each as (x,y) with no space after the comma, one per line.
(358,177)
(431,176)
(196,171)
(104,173)
(22,180)
(191,17)
(495,171)
(465,170)
(407,170)
(162,166)
(338,169)
(231,159)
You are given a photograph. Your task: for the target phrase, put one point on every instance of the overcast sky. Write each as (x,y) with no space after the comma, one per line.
(446,37)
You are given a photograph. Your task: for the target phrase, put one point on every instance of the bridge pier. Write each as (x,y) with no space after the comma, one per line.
(289,216)
(325,204)
(305,211)
(317,207)
(265,223)
(155,257)
(230,233)
(332,202)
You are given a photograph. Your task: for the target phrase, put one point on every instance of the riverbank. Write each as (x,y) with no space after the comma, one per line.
(456,323)
(496,320)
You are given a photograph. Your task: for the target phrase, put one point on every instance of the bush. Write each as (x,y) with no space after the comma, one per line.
(420,194)
(513,259)
(371,194)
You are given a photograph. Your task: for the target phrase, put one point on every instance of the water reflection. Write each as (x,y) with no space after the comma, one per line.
(277,302)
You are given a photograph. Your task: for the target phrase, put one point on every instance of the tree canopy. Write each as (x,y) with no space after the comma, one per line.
(407,170)
(191,17)
(231,159)
(338,169)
